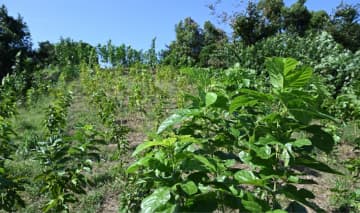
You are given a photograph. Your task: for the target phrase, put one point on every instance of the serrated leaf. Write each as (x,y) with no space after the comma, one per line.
(285,74)
(210,98)
(278,68)
(298,78)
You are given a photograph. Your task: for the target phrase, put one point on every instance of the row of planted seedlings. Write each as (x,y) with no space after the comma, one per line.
(10,185)
(65,160)
(106,94)
(238,148)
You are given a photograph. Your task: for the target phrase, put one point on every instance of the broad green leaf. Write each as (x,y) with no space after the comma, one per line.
(210,98)
(241,101)
(205,189)
(249,98)
(156,200)
(268,140)
(167,208)
(189,188)
(301,142)
(246,82)
(261,97)
(252,206)
(221,102)
(263,152)
(298,78)
(194,162)
(50,205)
(305,115)
(278,68)
(205,162)
(293,179)
(149,162)
(245,157)
(285,74)
(148,144)
(247,177)
(177,118)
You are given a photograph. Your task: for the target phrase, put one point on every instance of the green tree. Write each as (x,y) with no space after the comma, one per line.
(297,18)
(14,38)
(69,52)
(319,21)
(272,10)
(346,27)
(214,41)
(151,56)
(45,54)
(186,49)
(251,26)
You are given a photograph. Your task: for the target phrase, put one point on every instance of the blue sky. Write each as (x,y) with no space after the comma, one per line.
(133,22)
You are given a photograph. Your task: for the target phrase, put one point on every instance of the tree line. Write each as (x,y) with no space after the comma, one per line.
(206,46)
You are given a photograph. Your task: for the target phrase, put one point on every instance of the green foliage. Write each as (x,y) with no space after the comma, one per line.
(251,27)
(57,113)
(69,52)
(9,185)
(64,162)
(337,66)
(243,158)
(246,141)
(119,56)
(65,159)
(186,49)
(14,40)
(297,18)
(345,26)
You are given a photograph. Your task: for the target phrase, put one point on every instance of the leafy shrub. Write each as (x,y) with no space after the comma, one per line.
(241,151)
